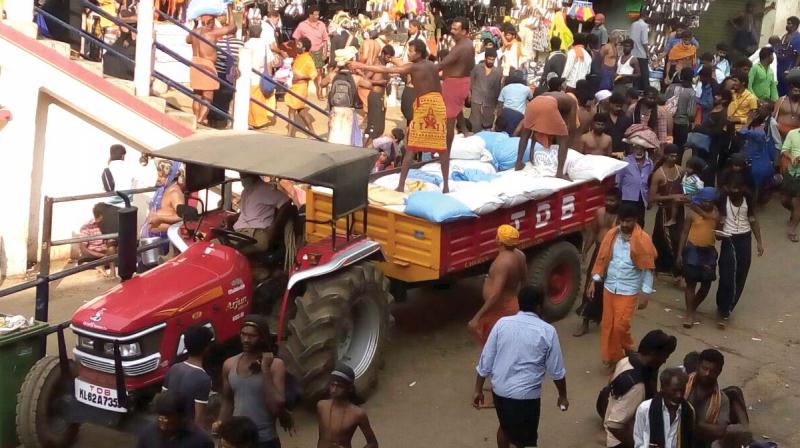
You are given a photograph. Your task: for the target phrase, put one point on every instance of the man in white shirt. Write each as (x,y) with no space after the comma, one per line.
(667,417)
(117,176)
(579,62)
(270,27)
(520,350)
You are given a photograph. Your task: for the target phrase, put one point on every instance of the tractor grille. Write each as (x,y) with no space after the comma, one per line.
(131,368)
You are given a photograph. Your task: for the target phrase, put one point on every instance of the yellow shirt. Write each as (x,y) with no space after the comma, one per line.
(110,7)
(701,234)
(304,65)
(741,106)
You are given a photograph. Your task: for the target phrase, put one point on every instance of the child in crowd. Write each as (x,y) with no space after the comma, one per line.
(691,178)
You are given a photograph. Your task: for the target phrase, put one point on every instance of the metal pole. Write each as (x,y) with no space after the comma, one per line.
(144,48)
(47,228)
(42,298)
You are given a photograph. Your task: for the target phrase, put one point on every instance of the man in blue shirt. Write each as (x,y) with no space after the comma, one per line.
(625,264)
(520,350)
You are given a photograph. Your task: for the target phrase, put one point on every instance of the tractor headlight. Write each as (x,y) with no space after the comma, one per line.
(85,343)
(125,350)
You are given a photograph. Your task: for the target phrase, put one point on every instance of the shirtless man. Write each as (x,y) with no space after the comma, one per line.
(507,275)
(339,417)
(610,55)
(166,213)
(596,141)
(425,76)
(545,121)
(787,110)
(456,68)
(376,112)
(204,56)
(604,219)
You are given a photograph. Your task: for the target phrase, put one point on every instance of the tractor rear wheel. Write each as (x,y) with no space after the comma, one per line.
(342,317)
(556,270)
(41,406)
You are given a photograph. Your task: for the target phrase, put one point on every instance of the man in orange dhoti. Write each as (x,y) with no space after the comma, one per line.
(625,263)
(203,58)
(507,275)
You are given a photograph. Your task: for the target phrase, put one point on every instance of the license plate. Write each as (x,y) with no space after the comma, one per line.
(97,397)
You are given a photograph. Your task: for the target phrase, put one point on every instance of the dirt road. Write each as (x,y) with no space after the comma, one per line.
(424,391)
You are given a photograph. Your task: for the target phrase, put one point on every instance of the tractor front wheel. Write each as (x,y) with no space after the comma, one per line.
(556,270)
(342,317)
(41,406)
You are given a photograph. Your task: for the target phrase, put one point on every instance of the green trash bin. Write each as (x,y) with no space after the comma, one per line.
(19,351)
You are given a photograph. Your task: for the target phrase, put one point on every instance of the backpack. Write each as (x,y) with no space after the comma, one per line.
(618,387)
(342,91)
(108,180)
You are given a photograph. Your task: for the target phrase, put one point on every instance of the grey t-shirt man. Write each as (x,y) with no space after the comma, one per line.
(640,34)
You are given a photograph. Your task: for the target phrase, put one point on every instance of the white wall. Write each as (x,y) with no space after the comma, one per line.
(64,120)
(72,168)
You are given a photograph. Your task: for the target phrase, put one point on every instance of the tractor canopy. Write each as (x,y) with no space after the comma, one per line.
(345,169)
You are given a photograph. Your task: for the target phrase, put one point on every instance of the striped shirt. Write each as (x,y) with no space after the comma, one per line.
(520,349)
(235,44)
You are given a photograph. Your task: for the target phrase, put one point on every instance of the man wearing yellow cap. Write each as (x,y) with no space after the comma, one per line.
(507,275)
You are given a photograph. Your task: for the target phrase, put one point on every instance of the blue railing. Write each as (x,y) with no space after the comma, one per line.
(178,86)
(111,49)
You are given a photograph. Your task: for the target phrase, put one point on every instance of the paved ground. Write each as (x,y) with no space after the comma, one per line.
(424,391)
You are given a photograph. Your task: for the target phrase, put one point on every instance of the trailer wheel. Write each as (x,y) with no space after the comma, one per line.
(341,317)
(556,270)
(41,406)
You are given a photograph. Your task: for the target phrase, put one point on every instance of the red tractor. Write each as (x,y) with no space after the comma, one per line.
(128,337)
(328,293)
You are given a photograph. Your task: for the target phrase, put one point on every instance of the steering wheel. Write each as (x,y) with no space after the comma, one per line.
(232,238)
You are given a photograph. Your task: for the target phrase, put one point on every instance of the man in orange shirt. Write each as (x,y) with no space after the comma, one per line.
(303,70)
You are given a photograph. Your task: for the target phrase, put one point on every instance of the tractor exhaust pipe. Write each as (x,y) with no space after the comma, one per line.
(126,239)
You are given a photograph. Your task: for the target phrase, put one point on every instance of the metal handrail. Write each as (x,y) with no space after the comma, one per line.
(284,87)
(159,46)
(310,133)
(203,70)
(172,20)
(156,74)
(190,31)
(112,18)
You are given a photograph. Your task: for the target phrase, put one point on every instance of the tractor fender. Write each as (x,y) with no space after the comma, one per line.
(361,250)
(364,249)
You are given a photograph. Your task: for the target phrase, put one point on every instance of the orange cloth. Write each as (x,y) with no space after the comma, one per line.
(615,327)
(304,65)
(503,308)
(643,253)
(199,80)
(543,117)
(427,131)
(258,117)
(712,412)
(682,51)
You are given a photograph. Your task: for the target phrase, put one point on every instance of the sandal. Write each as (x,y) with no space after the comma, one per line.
(793,237)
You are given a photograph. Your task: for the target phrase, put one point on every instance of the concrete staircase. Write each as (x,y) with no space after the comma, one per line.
(170,102)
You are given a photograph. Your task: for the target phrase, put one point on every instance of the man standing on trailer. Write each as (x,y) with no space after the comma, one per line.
(507,275)
(427,131)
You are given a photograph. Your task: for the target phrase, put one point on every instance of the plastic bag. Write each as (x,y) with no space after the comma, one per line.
(436,207)
(199,8)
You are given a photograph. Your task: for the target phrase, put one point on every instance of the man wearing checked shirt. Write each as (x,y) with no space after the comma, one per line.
(520,350)
(625,263)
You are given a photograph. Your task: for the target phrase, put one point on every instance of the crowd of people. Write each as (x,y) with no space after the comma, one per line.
(707,146)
